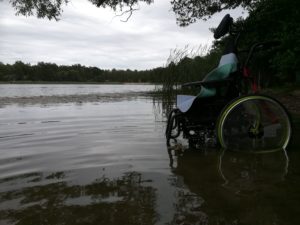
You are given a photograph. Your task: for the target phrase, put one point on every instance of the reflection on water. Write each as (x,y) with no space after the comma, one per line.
(107,163)
(238,188)
(246,173)
(125,200)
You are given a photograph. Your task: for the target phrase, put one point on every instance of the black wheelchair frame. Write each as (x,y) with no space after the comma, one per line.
(200,124)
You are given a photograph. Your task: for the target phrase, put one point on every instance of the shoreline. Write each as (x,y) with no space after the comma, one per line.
(72,83)
(290,100)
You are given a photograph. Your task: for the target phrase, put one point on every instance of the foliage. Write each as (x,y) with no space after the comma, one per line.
(115,4)
(186,11)
(50,72)
(274,20)
(39,8)
(185,70)
(52,9)
(268,20)
(185,65)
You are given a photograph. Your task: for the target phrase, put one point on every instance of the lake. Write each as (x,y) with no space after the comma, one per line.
(31,90)
(106,162)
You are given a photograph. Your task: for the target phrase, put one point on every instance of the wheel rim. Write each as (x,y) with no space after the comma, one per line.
(256,123)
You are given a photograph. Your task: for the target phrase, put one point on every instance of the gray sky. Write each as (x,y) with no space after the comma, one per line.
(91,36)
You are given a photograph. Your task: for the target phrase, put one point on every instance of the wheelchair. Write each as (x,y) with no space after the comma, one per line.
(229,111)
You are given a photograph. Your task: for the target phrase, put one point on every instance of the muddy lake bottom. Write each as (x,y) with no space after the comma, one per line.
(106,162)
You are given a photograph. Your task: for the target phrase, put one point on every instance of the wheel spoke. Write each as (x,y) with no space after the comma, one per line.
(254,123)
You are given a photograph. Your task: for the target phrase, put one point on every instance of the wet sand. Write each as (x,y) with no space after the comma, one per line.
(290,100)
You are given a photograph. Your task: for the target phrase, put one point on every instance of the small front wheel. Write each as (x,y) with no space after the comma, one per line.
(255,123)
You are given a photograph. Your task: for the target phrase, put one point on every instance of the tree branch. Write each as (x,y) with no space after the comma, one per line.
(130,11)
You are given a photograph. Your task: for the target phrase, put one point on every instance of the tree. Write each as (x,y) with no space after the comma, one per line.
(186,11)
(275,20)
(39,8)
(52,9)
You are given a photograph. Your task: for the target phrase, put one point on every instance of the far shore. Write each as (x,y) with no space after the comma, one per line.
(68,82)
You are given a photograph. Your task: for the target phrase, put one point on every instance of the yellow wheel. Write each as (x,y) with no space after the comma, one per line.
(254,123)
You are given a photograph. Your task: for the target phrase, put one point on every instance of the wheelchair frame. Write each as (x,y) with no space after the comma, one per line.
(202,123)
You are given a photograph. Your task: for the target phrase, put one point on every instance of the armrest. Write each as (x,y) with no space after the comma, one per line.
(212,83)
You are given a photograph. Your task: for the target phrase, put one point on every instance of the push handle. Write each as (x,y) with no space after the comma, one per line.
(224,27)
(261,46)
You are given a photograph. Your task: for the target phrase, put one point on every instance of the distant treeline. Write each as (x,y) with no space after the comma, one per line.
(50,72)
(194,68)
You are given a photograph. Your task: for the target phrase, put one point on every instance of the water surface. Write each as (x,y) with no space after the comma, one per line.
(107,163)
(33,90)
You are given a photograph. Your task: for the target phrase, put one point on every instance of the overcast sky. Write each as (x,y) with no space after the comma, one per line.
(91,36)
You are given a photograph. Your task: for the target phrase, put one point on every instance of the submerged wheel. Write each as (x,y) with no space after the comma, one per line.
(172,125)
(254,122)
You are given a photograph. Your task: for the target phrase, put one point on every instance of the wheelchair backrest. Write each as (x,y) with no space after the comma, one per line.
(228,64)
(229,58)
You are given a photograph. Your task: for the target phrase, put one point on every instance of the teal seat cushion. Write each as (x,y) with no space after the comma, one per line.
(220,73)
(227,65)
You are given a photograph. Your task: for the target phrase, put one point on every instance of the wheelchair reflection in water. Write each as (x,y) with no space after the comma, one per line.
(228,110)
(230,187)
